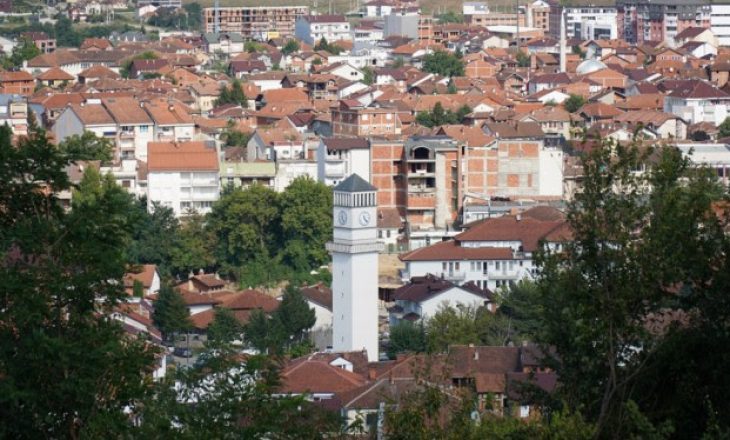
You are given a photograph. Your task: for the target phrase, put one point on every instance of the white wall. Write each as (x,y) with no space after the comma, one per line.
(173,189)
(498,271)
(551,172)
(720,23)
(452,297)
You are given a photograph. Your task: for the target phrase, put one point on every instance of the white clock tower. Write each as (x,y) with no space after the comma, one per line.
(354,252)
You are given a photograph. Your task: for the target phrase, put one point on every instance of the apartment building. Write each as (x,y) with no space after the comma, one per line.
(255,22)
(171,121)
(585,22)
(339,158)
(409,24)
(720,22)
(183,176)
(42,41)
(646,20)
(493,253)
(313,28)
(14,113)
(351,118)
(16,83)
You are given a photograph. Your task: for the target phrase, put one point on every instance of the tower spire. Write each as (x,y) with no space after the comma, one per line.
(562,40)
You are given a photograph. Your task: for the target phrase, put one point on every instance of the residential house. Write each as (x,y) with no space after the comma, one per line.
(146,276)
(313,28)
(697,101)
(422,297)
(351,118)
(16,83)
(183,176)
(492,253)
(319,299)
(54,78)
(171,121)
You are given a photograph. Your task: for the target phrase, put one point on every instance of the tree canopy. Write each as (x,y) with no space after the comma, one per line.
(574,103)
(443,63)
(439,116)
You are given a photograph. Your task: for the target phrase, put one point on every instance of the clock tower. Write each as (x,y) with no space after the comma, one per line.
(354,250)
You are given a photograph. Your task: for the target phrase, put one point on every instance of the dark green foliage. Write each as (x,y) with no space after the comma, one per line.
(451,326)
(24,51)
(328,47)
(295,316)
(173,18)
(233,400)
(523,59)
(724,128)
(138,289)
(264,333)
(232,95)
(88,146)
(193,247)
(443,63)
(67,370)
(66,35)
(306,223)
(574,103)
(291,46)
(439,116)
(171,314)
(407,337)
(224,329)
(235,138)
(154,236)
(194,16)
(639,256)
(521,306)
(369,75)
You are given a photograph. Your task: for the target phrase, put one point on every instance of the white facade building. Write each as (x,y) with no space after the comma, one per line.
(312,28)
(339,158)
(494,253)
(354,252)
(720,22)
(183,176)
(591,22)
(698,101)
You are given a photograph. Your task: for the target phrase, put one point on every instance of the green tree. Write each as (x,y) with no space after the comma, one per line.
(138,289)
(24,51)
(224,329)
(264,333)
(328,47)
(171,314)
(523,59)
(306,223)
(521,306)
(127,64)
(398,62)
(245,223)
(295,315)
(88,146)
(235,138)
(290,47)
(67,368)
(451,87)
(724,128)
(232,95)
(66,35)
(407,337)
(644,246)
(194,14)
(231,400)
(369,75)
(154,236)
(451,325)
(194,246)
(574,103)
(443,63)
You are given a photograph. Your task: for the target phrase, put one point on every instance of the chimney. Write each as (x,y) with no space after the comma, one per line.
(372,374)
(476,355)
(518,217)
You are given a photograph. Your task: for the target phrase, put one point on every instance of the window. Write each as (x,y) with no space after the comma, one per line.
(496,265)
(143,128)
(456,266)
(443,266)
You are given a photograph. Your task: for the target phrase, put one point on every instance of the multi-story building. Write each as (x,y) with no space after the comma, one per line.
(646,20)
(493,253)
(16,83)
(14,113)
(585,22)
(183,176)
(720,22)
(313,28)
(409,24)
(42,41)
(255,22)
(538,15)
(697,101)
(496,19)
(351,118)
(339,158)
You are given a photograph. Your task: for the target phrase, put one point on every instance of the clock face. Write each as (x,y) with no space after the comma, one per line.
(342,217)
(364,218)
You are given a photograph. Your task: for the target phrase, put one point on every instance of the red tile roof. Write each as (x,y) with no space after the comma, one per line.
(181,156)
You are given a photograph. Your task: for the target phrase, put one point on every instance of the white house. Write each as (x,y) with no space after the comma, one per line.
(422,297)
(134,126)
(378,8)
(492,253)
(338,158)
(319,299)
(78,118)
(172,123)
(710,155)
(696,101)
(183,176)
(312,28)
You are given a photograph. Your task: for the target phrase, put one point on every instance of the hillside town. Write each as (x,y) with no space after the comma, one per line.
(372,195)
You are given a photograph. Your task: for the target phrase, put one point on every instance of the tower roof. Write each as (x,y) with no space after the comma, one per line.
(355,183)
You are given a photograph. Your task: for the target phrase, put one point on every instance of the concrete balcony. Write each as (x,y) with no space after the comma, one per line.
(126,135)
(453,275)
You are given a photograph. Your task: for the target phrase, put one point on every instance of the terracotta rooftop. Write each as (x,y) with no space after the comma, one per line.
(450,250)
(181,156)
(126,111)
(92,114)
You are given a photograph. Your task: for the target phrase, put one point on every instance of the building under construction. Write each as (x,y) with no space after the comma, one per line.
(256,23)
